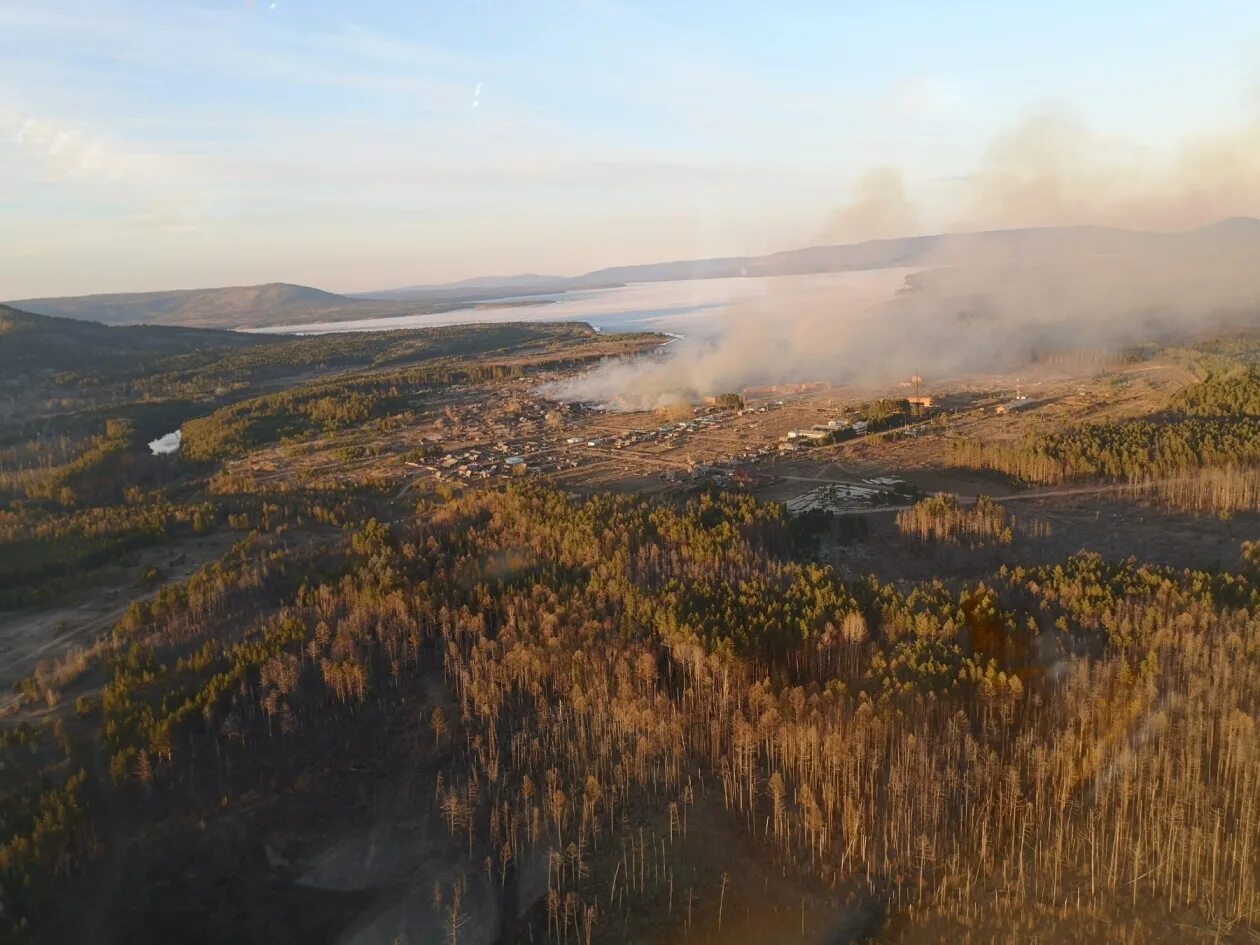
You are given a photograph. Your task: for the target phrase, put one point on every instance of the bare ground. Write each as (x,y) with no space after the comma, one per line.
(28,637)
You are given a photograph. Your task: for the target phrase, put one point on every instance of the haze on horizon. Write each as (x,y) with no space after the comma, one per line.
(152,145)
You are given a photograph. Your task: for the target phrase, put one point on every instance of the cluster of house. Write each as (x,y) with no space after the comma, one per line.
(504,436)
(667,432)
(773,389)
(722,475)
(827,432)
(1012,406)
(471,464)
(492,462)
(521,437)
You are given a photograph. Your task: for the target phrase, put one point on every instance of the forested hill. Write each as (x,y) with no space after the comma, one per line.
(30,343)
(232,307)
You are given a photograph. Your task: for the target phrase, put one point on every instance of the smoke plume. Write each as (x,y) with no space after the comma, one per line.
(984,301)
(1052,169)
(881,207)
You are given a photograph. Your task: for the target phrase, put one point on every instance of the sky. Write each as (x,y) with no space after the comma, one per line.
(156,144)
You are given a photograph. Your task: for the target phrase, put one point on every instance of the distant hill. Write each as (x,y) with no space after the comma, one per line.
(239,306)
(257,306)
(1237,236)
(30,343)
(485,288)
(524,280)
(1237,239)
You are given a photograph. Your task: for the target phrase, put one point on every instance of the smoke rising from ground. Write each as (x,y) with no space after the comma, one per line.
(986,301)
(1052,169)
(880,208)
(873,327)
(789,333)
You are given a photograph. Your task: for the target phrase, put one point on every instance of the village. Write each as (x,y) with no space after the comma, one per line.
(767,440)
(815,446)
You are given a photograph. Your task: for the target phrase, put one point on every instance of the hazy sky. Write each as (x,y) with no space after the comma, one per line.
(369,144)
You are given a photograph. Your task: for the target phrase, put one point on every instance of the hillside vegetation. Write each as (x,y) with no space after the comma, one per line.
(302,682)
(618,668)
(1205,428)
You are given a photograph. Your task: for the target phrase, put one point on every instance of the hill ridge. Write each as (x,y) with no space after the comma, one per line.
(272,303)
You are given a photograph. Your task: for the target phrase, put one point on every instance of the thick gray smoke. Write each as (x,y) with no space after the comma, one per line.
(1019,295)
(796,330)
(992,301)
(1053,169)
(880,208)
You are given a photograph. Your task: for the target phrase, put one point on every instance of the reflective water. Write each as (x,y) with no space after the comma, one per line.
(693,308)
(166,444)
